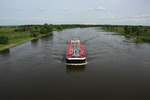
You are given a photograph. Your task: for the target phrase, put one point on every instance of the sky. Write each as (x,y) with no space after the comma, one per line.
(119,12)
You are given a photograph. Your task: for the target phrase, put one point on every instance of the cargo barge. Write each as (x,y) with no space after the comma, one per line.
(76,53)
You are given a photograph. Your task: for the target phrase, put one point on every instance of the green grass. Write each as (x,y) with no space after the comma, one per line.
(15,38)
(14,43)
(143,37)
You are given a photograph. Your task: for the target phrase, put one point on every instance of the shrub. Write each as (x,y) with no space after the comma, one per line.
(3,40)
(34,34)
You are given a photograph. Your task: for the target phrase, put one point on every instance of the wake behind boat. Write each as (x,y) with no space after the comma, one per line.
(75,53)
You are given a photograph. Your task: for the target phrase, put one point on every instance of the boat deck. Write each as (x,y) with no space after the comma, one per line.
(75,53)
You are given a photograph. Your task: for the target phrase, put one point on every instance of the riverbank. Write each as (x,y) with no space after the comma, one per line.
(11,37)
(138,34)
(19,42)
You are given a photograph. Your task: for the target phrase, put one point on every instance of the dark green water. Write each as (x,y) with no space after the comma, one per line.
(116,69)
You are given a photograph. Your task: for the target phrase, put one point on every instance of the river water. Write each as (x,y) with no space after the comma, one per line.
(117,69)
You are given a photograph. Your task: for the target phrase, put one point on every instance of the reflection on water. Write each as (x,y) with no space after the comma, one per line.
(73,68)
(5,52)
(34,42)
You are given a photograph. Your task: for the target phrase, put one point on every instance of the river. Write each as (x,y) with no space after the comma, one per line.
(117,69)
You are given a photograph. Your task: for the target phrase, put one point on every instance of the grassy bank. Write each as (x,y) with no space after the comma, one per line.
(13,36)
(139,34)
(15,42)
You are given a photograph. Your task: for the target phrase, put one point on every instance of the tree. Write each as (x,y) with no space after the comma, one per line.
(126,30)
(46,29)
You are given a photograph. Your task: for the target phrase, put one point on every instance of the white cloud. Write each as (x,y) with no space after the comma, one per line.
(100,8)
(136,17)
(90,9)
(42,9)
(139,17)
(65,9)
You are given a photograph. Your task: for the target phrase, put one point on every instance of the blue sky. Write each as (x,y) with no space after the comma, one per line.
(17,12)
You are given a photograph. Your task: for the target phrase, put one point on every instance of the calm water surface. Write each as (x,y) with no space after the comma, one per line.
(117,69)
